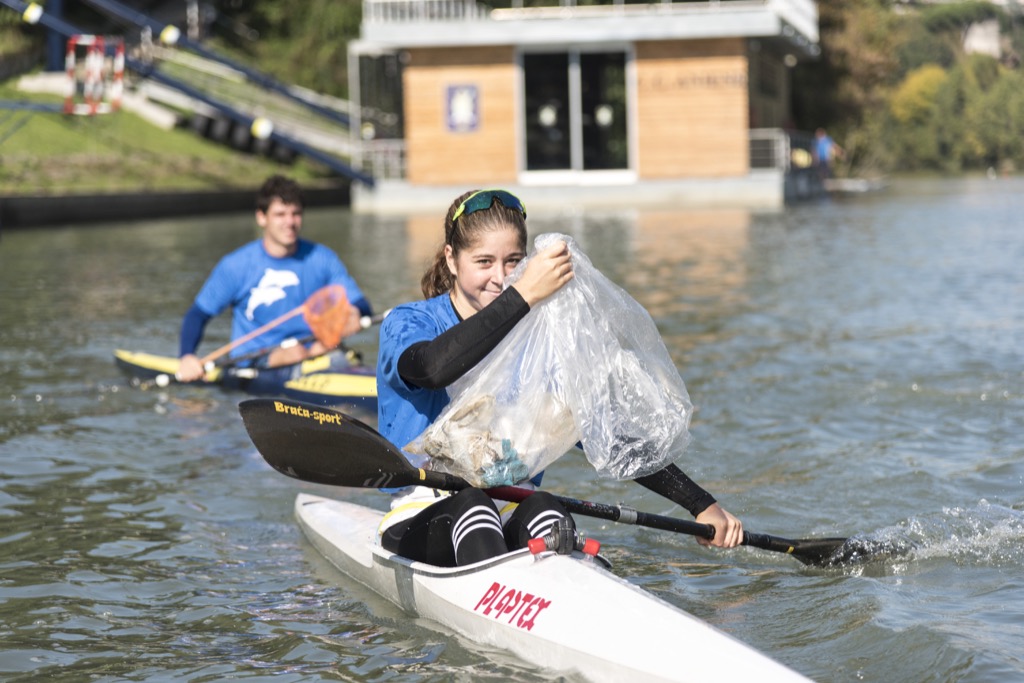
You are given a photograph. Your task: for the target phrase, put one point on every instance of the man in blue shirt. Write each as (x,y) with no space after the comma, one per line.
(826,151)
(263,280)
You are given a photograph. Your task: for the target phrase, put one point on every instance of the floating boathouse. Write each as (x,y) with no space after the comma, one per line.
(601,103)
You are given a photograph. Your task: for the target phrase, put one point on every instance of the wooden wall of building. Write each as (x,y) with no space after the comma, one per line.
(481,157)
(692,108)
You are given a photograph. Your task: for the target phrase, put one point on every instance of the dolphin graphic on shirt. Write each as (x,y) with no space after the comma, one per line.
(270,289)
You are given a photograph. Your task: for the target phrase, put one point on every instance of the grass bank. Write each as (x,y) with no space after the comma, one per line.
(55,154)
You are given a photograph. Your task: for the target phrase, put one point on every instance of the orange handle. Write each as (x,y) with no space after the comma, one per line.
(228,348)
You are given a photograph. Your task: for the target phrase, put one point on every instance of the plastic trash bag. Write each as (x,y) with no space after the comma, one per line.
(586,365)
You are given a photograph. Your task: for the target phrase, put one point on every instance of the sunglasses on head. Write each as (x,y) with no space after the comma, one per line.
(484,199)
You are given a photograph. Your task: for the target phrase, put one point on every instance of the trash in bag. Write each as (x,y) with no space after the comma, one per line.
(586,365)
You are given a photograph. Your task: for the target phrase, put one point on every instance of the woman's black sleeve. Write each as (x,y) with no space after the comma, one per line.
(437,363)
(673,484)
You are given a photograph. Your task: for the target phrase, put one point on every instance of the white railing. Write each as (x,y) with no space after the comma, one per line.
(770,149)
(386,11)
(790,154)
(383,159)
(801,13)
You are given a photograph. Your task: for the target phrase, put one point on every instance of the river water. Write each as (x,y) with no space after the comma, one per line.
(857,367)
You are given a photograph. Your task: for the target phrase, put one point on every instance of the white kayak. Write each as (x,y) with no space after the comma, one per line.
(563,613)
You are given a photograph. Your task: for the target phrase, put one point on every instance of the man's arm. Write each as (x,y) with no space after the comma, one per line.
(363,305)
(190,368)
(192,327)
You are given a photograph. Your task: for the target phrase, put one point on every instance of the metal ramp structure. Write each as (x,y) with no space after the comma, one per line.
(172,36)
(282,119)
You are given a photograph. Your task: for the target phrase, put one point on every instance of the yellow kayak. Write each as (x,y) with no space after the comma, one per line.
(335,379)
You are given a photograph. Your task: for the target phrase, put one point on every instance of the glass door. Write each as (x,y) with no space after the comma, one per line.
(546,79)
(603,110)
(575,111)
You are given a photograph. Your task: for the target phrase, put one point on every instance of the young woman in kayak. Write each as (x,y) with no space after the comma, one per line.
(427,345)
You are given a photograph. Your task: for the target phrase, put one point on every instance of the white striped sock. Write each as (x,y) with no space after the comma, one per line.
(542,523)
(479,517)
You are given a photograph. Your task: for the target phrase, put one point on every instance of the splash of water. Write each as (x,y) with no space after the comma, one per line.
(983,535)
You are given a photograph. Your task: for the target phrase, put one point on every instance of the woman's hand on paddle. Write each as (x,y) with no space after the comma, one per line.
(546,273)
(728,529)
(190,368)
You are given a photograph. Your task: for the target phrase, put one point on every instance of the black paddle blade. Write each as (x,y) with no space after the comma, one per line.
(836,552)
(860,550)
(816,551)
(819,552)
(828,552)
(305,441)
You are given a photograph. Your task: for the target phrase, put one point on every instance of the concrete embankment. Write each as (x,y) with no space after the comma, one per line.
(41,211)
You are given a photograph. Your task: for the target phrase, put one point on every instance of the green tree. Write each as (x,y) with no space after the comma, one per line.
(923,46)
(913,110)
(957,124)
(16,36)
(913,102)
(1000,120)
(943,119)
(846,88)
(956,18)
(301,41)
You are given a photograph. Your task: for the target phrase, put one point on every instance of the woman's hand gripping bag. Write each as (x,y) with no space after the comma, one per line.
(585,366)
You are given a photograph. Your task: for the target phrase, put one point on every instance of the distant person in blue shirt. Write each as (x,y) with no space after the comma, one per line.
(826,151)
(263,280)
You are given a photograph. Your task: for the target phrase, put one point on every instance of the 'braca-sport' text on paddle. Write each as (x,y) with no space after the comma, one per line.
(325,446)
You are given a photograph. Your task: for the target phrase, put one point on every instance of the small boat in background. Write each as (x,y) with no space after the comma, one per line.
(316,380)
(853,185)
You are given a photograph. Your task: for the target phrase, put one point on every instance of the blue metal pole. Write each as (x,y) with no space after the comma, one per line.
(56,44)
(33,13)
(147,71)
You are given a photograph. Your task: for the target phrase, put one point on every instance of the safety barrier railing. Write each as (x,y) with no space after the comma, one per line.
(802,14)
(770,149)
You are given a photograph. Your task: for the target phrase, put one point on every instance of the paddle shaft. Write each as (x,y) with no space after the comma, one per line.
(235,343)
(821,551)
(163,379)
(326,446)
(627,515)
(615,513)
(364,322)
(301,309)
